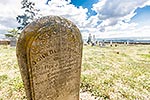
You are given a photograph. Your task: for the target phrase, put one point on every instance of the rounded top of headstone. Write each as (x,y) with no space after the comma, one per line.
(47,21)
(55,24)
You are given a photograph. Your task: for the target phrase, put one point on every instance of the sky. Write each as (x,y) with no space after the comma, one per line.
(102,18)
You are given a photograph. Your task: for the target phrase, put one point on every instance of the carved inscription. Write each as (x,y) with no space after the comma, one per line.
(56,68)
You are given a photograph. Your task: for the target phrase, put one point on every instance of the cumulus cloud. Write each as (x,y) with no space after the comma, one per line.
(54,7)
(65,9)
(113,17)
(114,12)
(8,12)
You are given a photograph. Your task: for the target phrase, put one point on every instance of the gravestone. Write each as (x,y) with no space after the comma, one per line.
(49,52)
(13,42)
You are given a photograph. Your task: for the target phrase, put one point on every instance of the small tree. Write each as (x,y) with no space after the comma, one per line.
(29,14)
(14,33)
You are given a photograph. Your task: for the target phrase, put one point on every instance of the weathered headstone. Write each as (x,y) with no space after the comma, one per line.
(49,52)
(13,42)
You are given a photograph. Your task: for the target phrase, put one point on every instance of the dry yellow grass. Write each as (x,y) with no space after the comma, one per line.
(11,86)
(117,73)
(110,73)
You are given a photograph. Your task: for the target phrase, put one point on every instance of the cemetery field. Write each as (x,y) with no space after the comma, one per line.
(109,73)
(117,73)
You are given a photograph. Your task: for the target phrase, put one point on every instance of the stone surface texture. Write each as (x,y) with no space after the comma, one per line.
(49,52)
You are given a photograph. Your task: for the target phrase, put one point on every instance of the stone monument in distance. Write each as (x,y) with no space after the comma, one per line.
(49,52)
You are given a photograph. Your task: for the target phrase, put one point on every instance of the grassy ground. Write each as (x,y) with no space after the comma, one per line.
(11,86)
(110,73)
(117,73)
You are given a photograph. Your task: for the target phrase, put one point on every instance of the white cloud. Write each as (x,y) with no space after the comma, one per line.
(65,9)
(10,8)
(117,8)
(135,32)
(113,12)
(113,17)
(8,12)
(3,27)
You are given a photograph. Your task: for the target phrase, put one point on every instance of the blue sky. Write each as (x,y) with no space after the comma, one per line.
(85,4)
(142,16)
(102,18)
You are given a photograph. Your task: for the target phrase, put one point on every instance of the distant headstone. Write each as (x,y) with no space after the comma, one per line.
(49,52)
(94,39)
(89,39)
(111,43)
(102,44)
(13,42)
(127,42)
